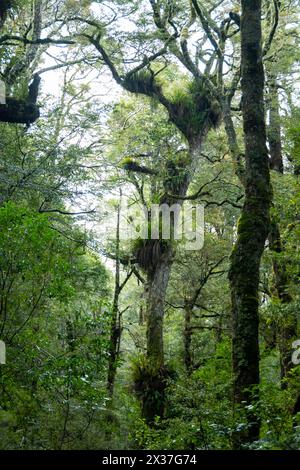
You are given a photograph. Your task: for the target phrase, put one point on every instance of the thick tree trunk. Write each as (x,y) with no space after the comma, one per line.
(157,288)
(253,227)
(152,377)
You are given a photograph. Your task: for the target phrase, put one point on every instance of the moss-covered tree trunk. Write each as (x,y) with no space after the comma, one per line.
(158,283)
(152,379)
(253,227)
(154,376)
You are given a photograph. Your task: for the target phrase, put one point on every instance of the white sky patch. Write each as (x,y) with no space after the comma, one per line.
(104,90)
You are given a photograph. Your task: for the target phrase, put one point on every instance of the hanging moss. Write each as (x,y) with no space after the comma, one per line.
(18,111)
(131,165)
(126,161)
(175,175)
(141,82)
(147,253)
(149,385)
(194,110)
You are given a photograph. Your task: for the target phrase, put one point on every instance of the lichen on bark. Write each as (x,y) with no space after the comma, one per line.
(253,227)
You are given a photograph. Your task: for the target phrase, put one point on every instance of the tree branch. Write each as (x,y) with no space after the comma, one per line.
(207,28)
(8,37)
(269,41)
(59,211)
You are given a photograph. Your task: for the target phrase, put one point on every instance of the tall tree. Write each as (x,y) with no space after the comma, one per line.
(115,326)
(194,110)
(254,223)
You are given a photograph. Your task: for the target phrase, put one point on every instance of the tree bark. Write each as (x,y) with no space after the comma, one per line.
(274,129)
(253,226)
(153,389)
(157,287)
(155,373)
